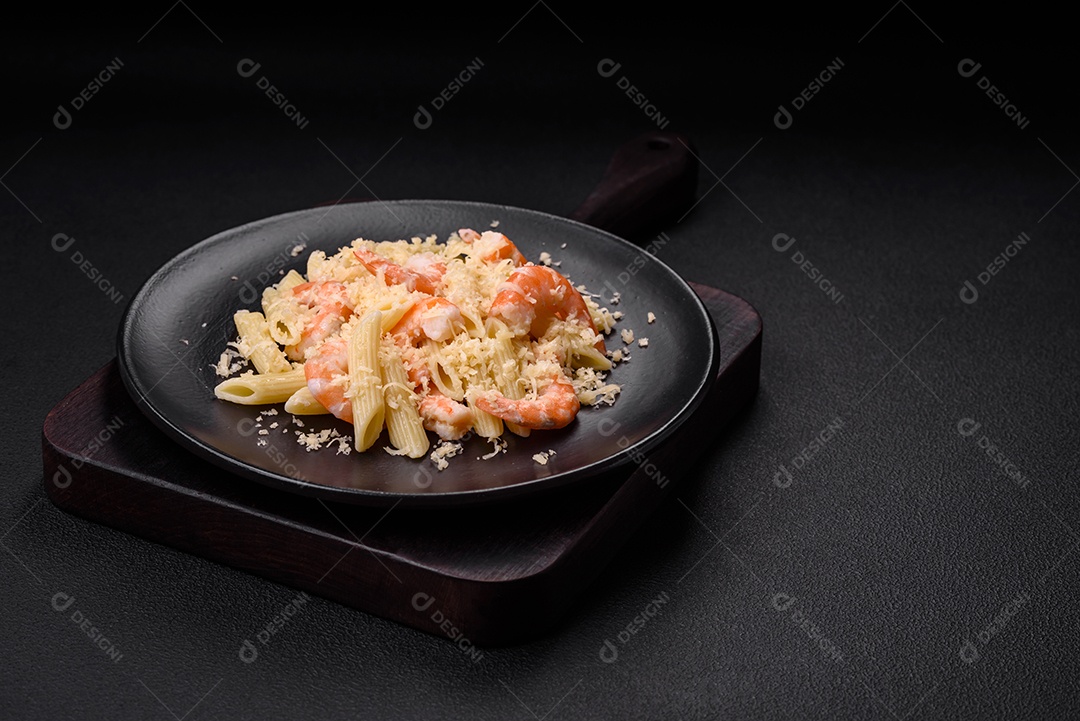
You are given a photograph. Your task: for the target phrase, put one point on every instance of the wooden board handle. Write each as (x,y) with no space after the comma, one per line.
(649,183)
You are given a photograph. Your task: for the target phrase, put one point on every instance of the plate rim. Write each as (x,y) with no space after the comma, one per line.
(367,497)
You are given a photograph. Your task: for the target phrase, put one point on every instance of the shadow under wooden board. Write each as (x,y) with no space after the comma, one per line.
(489,575)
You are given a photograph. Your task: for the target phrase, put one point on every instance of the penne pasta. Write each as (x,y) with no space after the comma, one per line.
(257,344)
(473,325)
(280,311)
(317,267)
(302,403)
(445,379)
(392,313)
(507,369)
(589,357)
(485,424)
(250,389)
(365,385)
(402,419)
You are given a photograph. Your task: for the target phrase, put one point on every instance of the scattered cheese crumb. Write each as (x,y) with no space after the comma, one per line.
(500,447)
(203,325)
(606,395)
(643,342)
(185,341)
(445,449)
(231,360)
(616,355)
(494,224)
(233,277)
(297,249)
(590,388)
(543,456)
(274,424)
(545,258)
(617,315)
(316,439)
(627,336)
(264,432)
(270,412)
(296,421)
(615,297)
(652,317)
(563,245)
(260,442)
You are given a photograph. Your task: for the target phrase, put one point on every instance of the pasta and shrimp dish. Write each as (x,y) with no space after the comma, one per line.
(416,336)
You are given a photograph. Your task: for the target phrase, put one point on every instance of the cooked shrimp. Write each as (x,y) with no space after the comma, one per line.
(434,318)
(555,407)
(422,272)
(330,300)
(492,246)
(327,374)
(534,296)
(445,416)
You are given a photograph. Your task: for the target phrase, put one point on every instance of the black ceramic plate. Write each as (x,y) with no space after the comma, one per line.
(177,325)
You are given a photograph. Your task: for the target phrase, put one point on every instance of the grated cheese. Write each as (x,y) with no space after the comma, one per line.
(543,456)
(443,451)
(500,446)
(231,360)
(325,438)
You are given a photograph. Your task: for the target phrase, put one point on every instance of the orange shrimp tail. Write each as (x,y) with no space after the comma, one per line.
(325,372)
(493,246)
(395,274)
(556,407)
(536,295)
(332,301)
(436,318)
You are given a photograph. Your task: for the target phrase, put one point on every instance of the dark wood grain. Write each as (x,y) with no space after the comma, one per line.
(498,575)
(648,184)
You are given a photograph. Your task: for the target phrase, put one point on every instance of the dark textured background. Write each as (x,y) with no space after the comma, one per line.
(900,541)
